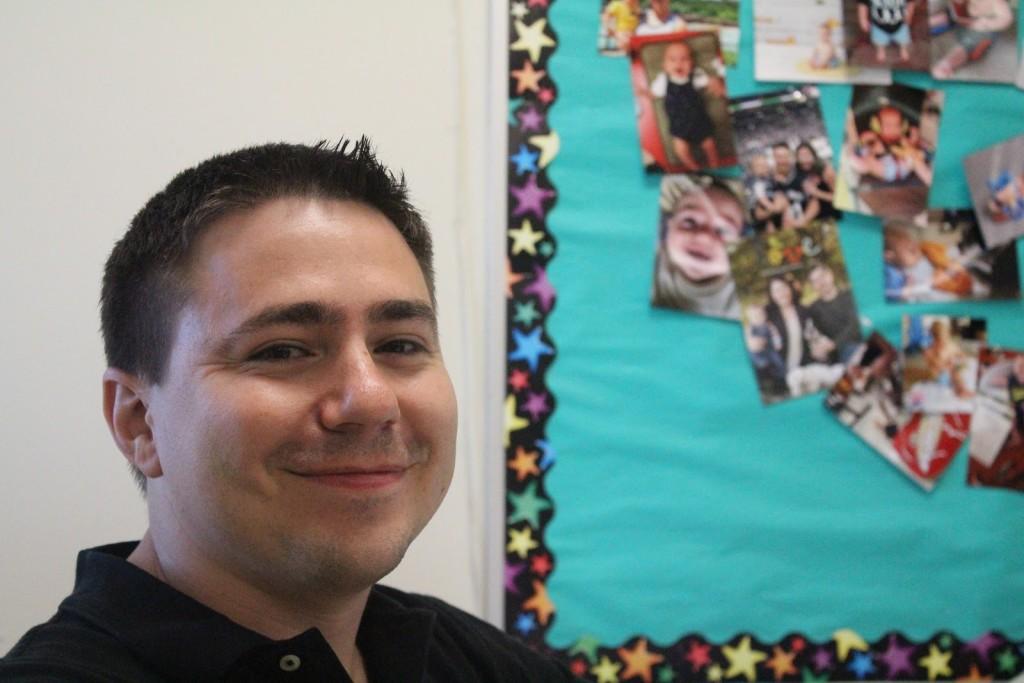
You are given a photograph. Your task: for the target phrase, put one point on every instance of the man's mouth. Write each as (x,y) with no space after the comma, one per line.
(356,478)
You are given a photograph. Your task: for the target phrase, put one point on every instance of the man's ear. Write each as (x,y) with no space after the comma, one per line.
(126,409)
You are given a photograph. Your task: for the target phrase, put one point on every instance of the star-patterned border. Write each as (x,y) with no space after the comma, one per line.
(529,611)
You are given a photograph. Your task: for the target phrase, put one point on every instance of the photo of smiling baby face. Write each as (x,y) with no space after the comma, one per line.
(698,231)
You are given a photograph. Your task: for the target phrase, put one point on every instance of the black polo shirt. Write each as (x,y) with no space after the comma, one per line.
(120,624)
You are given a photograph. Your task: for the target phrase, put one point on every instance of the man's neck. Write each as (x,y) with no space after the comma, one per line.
(336,617)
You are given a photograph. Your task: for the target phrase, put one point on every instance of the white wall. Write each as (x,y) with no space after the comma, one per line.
(102,103)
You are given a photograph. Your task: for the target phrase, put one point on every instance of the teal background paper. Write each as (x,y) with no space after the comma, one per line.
(681,504)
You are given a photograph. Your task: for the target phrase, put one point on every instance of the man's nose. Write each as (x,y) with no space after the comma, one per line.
(358,394)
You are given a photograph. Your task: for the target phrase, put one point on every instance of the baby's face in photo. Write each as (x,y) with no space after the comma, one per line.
(678,60)
(755,315)
(906,252)
(699,230)
(759,166)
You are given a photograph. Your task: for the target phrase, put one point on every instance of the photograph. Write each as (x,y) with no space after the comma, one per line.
(891,33)
(622,19)
(997,428)
(940,362)
(786,158)
(889,145)
(682,107)
(699,217)
(973,40)
(800,42)
(800,321)
(868,400)
(995,177)
(939,256)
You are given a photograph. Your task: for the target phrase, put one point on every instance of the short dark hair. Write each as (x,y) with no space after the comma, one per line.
(145,282)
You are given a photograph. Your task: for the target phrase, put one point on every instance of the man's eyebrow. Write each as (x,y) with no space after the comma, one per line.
(397,310)
(306,313)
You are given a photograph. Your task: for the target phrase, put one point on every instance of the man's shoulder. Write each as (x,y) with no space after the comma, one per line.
(463,642)
(66,649)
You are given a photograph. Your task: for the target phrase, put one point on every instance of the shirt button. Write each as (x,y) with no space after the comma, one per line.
(290,663)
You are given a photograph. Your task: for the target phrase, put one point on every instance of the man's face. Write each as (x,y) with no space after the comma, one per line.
(783,160)
(306,425)
(824,282)
(699,230)
(661,8)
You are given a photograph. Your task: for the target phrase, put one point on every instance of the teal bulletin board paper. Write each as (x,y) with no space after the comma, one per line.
(681,504)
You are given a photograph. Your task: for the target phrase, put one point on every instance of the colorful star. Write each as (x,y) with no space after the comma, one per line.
(1006,660)
(861,665)
(546,95)
(530,119)
(527,506)
(847,640)
(937,663)
(548,146)
(528,78)
(715,673)
(548,453)
(511,279)
(530,197)
(742,659)
(974,676)
(529,347)
(525,160)
(518,10)
(781,662)
(525,623)
(540,603)
(639,661)
(666,674)
(520,542)
(524,464)
(531,39)
(513,423)
(525,238)
(512,572)
(587,646)
(897,658)
(699,655)
(982,646)
(526,313)
(518,379)
(541,565)
(541,287)
(822,659)
(536,404)
(606,670)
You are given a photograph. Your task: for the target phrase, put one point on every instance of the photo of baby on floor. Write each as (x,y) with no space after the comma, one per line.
(887,33)
(699,217)
(889,146)
(940,362)
(868,399)
(995,177)
(973,40)
(800,321)
(997,428)
(784,151)
(682,110)
(799,41)
(939,256)
(623,19)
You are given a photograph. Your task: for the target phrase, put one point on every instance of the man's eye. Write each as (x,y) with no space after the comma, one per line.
(279,352)
(401,346)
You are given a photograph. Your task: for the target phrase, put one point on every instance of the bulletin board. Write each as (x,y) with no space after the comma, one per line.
(663,525)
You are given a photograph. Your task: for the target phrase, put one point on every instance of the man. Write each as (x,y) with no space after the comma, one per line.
(834,314)
(793,207)
(277,386)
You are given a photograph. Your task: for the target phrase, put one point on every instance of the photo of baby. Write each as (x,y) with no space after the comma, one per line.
(940,362)
(887,33)
(868,400)
(796,41)
(889,147)
(699,217)
(997,428)
(682,112)
(799,317)
(939,256)
(995,177)
(623,19)
(787,160)
(973,40)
